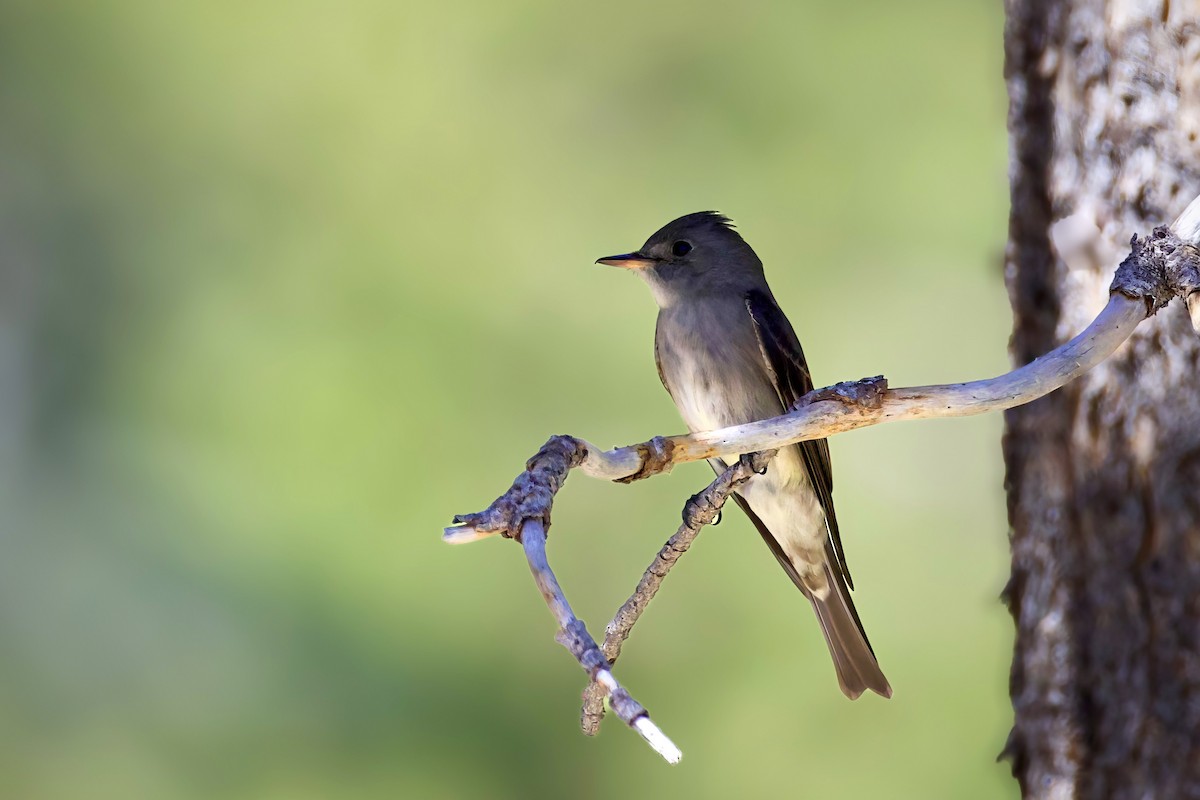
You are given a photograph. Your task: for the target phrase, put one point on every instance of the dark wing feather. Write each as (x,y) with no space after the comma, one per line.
(658,364)
(789,371)
(786,563)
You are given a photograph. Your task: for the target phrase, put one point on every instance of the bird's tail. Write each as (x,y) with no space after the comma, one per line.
(857,669)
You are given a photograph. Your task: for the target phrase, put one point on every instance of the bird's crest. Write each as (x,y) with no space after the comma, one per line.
(713,217)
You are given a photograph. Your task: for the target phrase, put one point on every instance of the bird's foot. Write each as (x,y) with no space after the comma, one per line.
(700,510)
(757,462)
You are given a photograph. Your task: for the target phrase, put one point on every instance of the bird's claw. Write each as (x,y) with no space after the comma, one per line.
(692,508)
(699,511)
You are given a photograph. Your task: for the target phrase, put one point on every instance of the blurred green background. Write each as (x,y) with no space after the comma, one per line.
(286,285)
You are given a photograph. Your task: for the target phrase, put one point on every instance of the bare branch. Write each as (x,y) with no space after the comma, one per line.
(573,635)
(1161,266)
(823,419)
(523,513)
(1147,277)
(828,416)
(702,509)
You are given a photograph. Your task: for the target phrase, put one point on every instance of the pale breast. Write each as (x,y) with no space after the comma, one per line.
(712,366)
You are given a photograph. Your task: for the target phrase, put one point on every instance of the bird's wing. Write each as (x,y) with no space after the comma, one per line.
(658,365)
(789,373)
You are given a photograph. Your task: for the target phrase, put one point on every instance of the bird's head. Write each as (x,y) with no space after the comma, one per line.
(698,254)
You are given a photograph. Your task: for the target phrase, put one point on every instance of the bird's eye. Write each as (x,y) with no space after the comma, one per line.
(681,248)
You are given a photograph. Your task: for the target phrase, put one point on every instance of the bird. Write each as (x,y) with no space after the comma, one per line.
(727,355)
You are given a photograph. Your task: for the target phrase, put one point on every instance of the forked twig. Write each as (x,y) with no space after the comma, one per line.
(523,513)
(703,509)
(573,635)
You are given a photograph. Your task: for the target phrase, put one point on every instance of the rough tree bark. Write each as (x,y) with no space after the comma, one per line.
(1103,476)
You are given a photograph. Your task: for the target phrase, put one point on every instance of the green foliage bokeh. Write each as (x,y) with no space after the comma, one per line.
(286,285)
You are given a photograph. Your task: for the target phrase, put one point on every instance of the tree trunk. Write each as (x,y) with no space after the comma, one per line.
(1103,476)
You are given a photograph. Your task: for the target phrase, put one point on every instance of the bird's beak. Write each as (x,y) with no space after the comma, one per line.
(628,261)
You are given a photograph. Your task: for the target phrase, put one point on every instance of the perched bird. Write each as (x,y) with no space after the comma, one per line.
(727,355)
